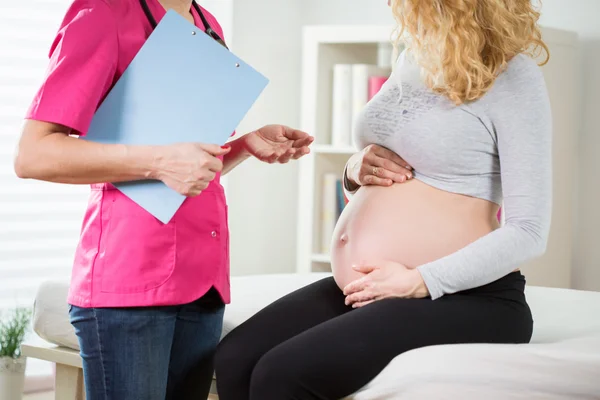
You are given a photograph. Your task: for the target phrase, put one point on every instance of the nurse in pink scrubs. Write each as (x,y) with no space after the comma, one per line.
(146,298)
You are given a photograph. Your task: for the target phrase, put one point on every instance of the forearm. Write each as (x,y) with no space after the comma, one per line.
(485,260)
(236,156)
(64,159)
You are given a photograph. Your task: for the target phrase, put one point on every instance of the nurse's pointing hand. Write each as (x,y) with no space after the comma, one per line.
(277,143)
(188,168)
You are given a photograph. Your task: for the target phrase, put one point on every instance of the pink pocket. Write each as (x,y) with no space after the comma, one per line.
(139,250)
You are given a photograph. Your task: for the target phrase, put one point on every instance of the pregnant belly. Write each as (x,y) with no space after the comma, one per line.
(409,223)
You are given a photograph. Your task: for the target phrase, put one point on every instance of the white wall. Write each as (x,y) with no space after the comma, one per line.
(263,240)
(262,200)
(586,274)
(344,12)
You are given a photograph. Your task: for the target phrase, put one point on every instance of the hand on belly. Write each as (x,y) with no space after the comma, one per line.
(384,280)
(407,224)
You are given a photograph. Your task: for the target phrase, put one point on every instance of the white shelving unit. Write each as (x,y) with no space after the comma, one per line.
(324,46)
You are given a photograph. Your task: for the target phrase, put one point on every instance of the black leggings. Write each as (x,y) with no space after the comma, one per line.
(310,345)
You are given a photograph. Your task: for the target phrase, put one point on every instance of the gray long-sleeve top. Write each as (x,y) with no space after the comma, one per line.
(498,148)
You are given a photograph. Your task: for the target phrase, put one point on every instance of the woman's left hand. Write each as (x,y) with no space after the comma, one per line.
(278,143)
(384,280)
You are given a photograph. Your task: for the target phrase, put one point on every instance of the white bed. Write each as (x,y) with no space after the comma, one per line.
(562,362)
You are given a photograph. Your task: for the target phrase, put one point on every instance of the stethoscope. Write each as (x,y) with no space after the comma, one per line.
(207,29)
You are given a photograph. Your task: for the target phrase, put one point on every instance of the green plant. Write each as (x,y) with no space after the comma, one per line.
(12,332)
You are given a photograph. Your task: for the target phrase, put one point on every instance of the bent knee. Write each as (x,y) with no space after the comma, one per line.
(269,371)
(279,375)
(235,359)
(229,354)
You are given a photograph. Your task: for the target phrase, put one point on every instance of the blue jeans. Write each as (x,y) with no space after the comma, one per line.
(149,353)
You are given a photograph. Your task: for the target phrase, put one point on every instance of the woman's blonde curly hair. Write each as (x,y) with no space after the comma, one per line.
(462,45)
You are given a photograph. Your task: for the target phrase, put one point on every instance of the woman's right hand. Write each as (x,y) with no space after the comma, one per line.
(376,165)
(188,168)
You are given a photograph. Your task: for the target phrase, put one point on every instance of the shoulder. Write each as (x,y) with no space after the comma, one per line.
(214,23)
(88,26)
(91,15)
(521,73)
(97,8)
(519,100)
(520,86)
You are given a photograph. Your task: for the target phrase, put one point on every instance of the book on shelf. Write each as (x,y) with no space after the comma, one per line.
(333,202)
(375,84)
(341,118)
(354,85)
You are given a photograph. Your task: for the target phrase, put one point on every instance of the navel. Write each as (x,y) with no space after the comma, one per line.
(344,238)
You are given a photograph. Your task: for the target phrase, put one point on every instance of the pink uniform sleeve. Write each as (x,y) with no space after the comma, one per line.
(83,63)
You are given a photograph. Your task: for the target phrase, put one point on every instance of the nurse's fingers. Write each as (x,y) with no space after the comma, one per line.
(211,163)
(193,192)
(304,142)
(301,152)
(295,134)
(273,157)
(214,149)
(285,158)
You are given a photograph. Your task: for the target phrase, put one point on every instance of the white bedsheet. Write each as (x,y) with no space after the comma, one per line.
(565,370)
(562,362)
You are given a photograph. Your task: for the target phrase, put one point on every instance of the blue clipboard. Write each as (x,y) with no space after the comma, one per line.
(182,86)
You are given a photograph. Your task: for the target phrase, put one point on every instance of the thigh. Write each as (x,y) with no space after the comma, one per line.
(294,313)
(125,352)
(288,316)
(338,357)
(197,333)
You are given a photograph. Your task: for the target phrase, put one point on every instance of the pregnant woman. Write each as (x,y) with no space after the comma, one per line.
(419,258)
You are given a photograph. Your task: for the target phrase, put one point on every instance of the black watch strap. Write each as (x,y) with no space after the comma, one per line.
(347,184)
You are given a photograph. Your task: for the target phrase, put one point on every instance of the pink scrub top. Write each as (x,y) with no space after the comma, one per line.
(125,256)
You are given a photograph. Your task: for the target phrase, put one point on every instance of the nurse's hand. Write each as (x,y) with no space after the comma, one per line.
(376,165)
(277,143)
(188,168)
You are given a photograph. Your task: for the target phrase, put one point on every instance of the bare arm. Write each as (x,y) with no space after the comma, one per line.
(236,156)
(47,152)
